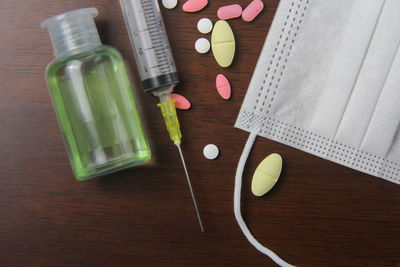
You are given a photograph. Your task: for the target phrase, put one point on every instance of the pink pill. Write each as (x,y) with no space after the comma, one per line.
(181,102)
(194,5)
(223,86)
(252,10)
(229,12)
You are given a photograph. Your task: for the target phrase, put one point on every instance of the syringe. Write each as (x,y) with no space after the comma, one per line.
(156,65)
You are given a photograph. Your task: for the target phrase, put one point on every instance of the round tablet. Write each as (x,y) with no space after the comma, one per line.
(170,4)
(202,45)
(204,25)
(210,151)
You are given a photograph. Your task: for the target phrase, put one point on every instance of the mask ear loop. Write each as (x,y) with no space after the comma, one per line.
(236,204)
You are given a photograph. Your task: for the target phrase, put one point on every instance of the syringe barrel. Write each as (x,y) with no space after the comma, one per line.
(150,43)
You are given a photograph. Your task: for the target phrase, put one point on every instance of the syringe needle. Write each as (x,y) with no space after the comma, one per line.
(190,185)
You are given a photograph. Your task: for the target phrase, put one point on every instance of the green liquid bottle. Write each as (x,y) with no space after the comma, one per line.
(93,98)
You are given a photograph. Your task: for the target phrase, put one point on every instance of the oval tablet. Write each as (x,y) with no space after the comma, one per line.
(169,4)
(194,5)
(204,25)
(223,43)
(252,10)
(266,174)
(211,151)
(202,45)
(223,86)
(181,102)
(229,12)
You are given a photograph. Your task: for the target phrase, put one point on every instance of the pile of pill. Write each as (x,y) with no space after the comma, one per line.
(222,39)
(222,44)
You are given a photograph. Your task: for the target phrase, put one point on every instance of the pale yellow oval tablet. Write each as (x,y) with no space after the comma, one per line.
(266,174)
(223,43)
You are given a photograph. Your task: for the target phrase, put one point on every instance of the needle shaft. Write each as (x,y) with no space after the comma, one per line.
(190,186)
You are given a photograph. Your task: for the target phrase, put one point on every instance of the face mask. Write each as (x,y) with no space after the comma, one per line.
(328,82)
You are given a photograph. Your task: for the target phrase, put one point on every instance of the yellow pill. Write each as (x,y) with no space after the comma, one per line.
(223,43)
(266,174)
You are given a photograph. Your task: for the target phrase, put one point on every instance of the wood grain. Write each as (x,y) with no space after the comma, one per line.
(320,213)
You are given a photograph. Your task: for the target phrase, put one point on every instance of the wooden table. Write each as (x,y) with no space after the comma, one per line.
(320,213)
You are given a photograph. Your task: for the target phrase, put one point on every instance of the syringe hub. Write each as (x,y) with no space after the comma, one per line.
(169,113)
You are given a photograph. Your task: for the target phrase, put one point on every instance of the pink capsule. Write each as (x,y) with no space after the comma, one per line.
(181,102)
(194,5)
(223,86)
(252,10)
(229,12)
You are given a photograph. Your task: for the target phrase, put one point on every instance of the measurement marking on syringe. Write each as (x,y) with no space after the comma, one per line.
(150,16)
(159,48)
(151,20)
(160,56)
(157,66)
(154,44)
(163,66)
(154,31)
(155,35)
(162,59)
(164,62)
(159,52)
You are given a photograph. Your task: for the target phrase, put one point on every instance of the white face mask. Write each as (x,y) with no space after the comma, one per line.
(328,82)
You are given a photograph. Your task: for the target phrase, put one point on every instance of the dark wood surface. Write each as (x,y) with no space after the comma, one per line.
(320,213)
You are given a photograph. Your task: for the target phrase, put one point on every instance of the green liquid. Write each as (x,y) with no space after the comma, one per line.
(97,113)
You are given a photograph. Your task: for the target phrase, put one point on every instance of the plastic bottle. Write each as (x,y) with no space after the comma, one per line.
(93,98)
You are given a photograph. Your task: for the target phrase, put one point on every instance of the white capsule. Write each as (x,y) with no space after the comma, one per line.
(210,151)
(204,25)
(169,4)
(202,45)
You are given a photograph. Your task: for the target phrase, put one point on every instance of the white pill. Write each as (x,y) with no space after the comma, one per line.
(210,151)
(170,4)
(202,45)
(204,25)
